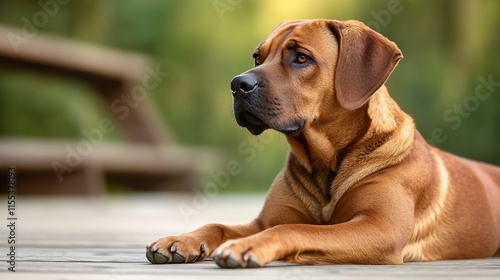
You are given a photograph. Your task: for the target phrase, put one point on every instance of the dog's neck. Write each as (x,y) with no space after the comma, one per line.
(327,141)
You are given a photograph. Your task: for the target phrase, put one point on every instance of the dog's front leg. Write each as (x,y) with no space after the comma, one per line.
(358,241)
(197,245)
(374,226)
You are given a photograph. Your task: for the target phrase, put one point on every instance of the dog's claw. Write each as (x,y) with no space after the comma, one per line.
(176,257)
(230,262)
(250,262)
(192,258)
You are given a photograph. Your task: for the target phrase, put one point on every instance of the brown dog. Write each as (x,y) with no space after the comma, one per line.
(360,184)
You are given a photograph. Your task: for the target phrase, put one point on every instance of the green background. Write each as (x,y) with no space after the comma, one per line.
(448,46)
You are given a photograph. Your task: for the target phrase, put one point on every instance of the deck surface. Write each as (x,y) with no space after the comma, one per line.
(105,238)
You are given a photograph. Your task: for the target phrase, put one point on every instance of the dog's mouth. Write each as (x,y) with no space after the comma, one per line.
(292,129)
(256,125)
(253,123)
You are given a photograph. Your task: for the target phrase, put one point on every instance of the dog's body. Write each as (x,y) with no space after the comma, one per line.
(360,184)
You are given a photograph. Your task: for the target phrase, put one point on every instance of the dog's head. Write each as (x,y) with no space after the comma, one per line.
(308,68)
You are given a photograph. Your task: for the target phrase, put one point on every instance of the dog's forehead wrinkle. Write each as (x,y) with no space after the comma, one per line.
(288,35)
(291,43)
(275,40)
(256,52)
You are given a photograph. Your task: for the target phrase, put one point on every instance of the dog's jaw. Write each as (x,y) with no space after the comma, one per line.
(257,122)
(256,126)
(251,122)
(293,129)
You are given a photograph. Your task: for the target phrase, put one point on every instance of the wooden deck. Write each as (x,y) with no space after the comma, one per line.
(105,238)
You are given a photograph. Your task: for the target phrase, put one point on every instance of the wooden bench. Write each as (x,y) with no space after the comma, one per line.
(149,160)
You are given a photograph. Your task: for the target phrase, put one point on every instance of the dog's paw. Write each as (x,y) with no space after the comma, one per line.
(176,249)
(238,253)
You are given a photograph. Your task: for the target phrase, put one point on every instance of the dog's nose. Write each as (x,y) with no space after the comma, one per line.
(243,85)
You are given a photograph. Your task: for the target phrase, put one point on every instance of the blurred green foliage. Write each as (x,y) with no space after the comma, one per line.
(448,45)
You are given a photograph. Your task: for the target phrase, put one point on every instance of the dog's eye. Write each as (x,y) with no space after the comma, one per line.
(301,58)
(256,59)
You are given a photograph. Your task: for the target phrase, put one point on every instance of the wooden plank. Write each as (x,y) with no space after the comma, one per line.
(69,55)
(89,238)
(137,165)
(113,157)
(127,264)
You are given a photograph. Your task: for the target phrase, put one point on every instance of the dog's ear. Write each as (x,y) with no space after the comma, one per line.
(365,61)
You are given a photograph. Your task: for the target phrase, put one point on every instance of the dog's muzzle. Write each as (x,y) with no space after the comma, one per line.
(254,109)
(244,88)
